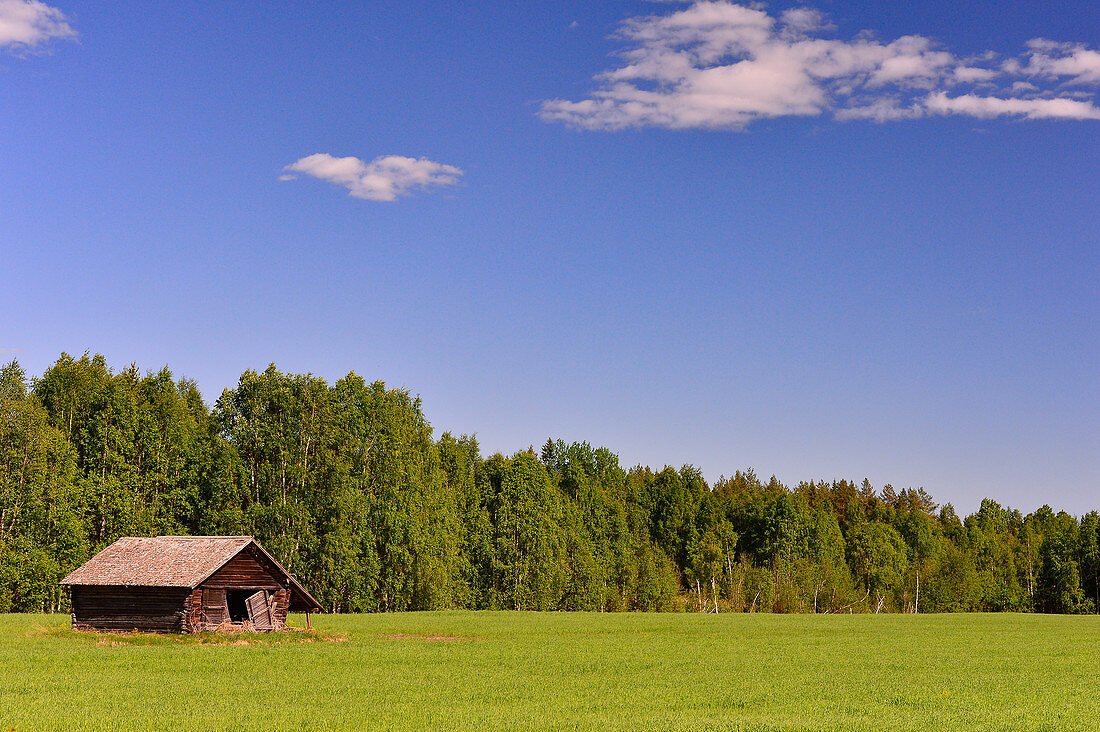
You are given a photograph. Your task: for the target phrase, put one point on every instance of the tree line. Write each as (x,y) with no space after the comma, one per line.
(347,486)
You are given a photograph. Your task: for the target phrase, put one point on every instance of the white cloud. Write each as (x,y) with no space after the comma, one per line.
(880,110)
(382,179)
(27,23)
(716,64)
(801,21)
(911,61)
(986,107)
(972,74)
(1051,60)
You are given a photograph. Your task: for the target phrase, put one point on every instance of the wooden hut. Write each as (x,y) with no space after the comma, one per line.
(184,584)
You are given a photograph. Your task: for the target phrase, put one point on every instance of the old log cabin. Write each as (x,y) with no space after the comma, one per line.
(184,584)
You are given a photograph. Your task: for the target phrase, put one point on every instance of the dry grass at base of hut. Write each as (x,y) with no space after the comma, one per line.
(229,634)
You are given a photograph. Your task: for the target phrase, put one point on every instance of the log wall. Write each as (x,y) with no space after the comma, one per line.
(149,609)
(245,572)
(194,621)
(280,602)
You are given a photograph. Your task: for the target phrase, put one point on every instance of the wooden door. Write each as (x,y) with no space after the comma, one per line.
(259,611)
(215,611)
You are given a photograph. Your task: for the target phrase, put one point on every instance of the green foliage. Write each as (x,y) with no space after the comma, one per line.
(877,553)
(529,566)
(43,534)
(951,582)
(346,484)
(1059,583)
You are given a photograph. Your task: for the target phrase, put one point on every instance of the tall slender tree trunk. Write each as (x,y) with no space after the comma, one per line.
(729,564)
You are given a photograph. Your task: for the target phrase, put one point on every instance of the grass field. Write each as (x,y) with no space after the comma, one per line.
(566,671)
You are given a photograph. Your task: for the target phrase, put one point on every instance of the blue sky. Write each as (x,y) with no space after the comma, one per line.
(844,239)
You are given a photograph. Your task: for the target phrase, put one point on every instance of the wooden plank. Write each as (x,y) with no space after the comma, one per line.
(280,604)
(259,611)
(243,571)
(269,622)
(147,623)
(215,610)
(128,601)
(150,609)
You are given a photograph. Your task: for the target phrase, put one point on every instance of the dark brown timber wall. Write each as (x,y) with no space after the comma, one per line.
(151,609)
(243,572)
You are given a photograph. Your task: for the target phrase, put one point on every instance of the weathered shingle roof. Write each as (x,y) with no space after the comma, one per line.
(162,561)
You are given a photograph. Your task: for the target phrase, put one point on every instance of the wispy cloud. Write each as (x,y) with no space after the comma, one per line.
(988,106)
(25,24)
(720,65)
(382,179)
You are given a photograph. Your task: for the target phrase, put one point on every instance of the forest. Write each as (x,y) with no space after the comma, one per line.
(349,488)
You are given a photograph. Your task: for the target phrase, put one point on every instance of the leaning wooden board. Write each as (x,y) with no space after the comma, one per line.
(259,611)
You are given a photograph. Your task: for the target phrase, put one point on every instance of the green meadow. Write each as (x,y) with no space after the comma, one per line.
(501,670)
